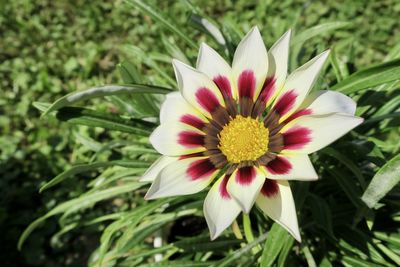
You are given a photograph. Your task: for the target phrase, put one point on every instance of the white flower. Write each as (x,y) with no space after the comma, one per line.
(249,127)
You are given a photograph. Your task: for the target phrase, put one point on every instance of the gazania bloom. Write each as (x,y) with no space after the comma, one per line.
(245,130)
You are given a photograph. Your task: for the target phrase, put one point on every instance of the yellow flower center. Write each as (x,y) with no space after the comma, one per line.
(243,139)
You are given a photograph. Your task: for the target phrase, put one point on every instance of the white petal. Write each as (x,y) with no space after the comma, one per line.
(279,206)
(310,133)
(197,88)
(152,172)
(244,186)
(298,85)
(291,167)
(184,177)
(326,102)
(220,210)
(278,57)
(170,139)
(251,55)
(216,68)
(175,107)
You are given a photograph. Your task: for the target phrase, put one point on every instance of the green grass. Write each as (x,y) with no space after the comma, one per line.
(52,48)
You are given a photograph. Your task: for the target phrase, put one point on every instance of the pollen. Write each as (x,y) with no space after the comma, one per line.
(243,139)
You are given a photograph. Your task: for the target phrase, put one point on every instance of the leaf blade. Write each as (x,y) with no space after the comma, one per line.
(370,77)
(383,181)
(101,91)
(273,246)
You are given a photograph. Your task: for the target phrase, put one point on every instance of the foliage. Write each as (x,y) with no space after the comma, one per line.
(98,193)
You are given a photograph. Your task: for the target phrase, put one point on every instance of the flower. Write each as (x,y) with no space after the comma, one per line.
(249,127)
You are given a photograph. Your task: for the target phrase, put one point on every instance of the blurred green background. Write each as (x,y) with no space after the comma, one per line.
(49,48)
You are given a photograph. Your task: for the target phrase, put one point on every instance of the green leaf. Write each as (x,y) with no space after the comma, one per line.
(325,263)
(382,117)
(102,91)
(177,263)
(348,163)
(339,67)
(370,77)
(392,238)
(150,59)
(389,107)
(384,180)
(157,16)
(73,205)
(77,169)
(41,106)
(389,253)
(230,259)
(82,116)
(273,245)
(287,246)
(321,213)
(173,49)
(348,261)
(203,243)
(208,27)
(317,30)
(309,257)
(128,72)
(299,39)
(351,191)
(131,219)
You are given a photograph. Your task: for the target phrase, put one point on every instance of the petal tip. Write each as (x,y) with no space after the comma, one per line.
(255,29)
(213,236)
(177,63)
(288,34)
(148,196)
(143,179)
(255,33)
(204,46)
(151,195)
(153,138)
(325,54)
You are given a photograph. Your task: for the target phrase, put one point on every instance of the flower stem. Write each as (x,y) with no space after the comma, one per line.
(248,232)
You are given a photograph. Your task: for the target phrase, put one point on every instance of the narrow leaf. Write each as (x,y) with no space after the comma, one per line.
(207,27)
(232,258)
(384,180)
(77,169)
(157,16)
(317,30)
(82,116)
(273,245)
(76,204)
(106,90)
(370,77)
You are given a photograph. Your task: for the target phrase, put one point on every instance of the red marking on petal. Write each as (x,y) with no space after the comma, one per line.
(192,121)
(270,188)
(207,99)
(222,188)
(285,102)
(268,89)
(296,138)
(224,86)
(299,113)
(200,169)
(190,139)
(198,154)
(279,165)
(245,175)
(247,84)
